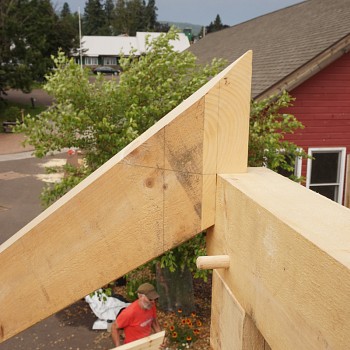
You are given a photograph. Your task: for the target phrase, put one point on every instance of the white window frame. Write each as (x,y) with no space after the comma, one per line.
(297,166)
(91,61)
(341,168)
(109,61)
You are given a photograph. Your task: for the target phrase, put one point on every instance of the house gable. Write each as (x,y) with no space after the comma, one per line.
(323,106)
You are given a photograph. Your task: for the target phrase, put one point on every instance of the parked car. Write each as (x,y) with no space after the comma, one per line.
(106,70)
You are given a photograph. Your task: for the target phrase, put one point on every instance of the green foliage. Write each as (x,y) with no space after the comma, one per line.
(84,116)
(185,256)
(67,30)
(103,293)
(94,20)
(10,111)
(120,17)
(73,176)
(158,81)
(131,16)
(30,31)
(138,276)
(216,25)
(268,128)
(12,114)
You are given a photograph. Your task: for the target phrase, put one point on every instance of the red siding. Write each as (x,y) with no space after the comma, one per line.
(323,105)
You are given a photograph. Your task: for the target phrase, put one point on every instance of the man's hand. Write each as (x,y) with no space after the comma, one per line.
(164,344)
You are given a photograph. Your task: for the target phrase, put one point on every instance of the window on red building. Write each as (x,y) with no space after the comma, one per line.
(325,172)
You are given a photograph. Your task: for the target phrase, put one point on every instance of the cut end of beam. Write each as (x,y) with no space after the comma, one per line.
(213,262)
(153,342)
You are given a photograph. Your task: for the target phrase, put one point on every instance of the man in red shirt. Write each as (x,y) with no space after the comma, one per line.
(138,319)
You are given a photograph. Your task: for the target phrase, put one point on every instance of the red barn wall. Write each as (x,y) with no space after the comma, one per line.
(323,106)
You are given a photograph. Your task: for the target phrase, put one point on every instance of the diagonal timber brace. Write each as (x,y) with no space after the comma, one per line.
(153,195)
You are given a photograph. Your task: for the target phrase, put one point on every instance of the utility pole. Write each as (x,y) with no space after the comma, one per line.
(80,50)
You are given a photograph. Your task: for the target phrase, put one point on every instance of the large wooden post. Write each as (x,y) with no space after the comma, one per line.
(153,195)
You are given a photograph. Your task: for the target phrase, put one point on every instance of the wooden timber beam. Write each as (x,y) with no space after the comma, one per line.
(153,342)
(155,194)
(289,249)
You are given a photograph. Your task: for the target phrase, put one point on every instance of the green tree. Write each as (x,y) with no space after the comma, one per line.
(28,36)
(94,19)
(5,43)
(162,27)
(109,15)
(30,32)
(151,15)
(65,12)
(121,18)
(268,126)
(68,29)
(216,25)
(129,17)
(136,12)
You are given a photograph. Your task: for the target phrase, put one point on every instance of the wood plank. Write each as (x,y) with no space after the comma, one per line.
(233,123)
(231,327)
(150,197)
(290,262)
(153,342)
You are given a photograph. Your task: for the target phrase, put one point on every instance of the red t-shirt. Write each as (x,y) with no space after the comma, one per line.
(136,321)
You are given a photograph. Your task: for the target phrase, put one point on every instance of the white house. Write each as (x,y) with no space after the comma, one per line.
(105,50)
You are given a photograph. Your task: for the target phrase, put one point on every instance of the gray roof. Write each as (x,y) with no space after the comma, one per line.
(288,45)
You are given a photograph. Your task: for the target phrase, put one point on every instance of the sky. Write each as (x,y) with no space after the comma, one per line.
(203,12)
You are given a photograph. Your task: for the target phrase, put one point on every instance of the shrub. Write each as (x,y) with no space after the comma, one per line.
(12,113)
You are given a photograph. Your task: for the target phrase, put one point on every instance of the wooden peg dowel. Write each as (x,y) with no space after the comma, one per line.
(213,262)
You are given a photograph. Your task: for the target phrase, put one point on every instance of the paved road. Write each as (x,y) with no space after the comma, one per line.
(40,97)
(20,190)
(21,182)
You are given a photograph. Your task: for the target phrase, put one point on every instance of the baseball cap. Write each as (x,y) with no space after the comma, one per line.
(148,290)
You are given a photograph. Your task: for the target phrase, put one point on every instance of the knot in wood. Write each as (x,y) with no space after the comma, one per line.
(149,182)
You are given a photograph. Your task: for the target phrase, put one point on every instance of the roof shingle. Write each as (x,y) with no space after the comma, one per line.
(282,41)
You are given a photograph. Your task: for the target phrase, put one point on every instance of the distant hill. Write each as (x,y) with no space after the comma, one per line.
(196,28)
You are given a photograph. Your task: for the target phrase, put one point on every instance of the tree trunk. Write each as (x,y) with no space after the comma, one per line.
(175,290)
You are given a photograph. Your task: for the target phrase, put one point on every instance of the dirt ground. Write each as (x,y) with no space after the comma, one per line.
(68,329)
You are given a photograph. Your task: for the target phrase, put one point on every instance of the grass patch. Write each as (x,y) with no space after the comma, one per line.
(10,111)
